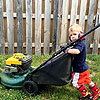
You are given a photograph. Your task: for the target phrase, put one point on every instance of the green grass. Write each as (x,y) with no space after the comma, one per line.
(66,92)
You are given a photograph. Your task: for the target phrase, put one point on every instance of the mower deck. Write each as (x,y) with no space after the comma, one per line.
(13,80)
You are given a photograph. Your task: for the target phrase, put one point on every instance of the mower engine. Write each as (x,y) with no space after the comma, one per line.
(18,64)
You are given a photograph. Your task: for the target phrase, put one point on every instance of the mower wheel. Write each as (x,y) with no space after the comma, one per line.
(30,87)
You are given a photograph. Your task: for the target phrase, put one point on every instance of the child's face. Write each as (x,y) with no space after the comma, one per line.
(74,35)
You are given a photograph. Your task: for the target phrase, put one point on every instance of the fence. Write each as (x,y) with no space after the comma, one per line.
(41,26)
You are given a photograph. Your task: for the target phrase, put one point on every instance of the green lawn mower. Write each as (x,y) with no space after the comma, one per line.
(17,68)
(19,73)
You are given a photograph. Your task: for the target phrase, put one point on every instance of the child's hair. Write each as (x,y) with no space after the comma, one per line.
(75,27)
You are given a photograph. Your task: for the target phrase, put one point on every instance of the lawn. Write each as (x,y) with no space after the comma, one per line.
(66,92)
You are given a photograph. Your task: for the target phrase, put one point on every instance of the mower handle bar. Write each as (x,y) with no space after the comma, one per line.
(72,43)
(67,46)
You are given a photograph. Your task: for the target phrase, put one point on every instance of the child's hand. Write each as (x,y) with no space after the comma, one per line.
(65,51)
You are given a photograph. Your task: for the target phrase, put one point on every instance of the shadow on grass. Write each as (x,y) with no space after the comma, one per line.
(66,92)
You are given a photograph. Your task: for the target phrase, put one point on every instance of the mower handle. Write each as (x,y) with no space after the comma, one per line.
(72,43)
(65,47)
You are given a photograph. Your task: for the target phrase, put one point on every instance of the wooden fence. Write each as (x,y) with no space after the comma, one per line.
(41,26)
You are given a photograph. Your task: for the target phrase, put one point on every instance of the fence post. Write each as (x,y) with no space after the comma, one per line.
(64,22)
(29,26)
(47,26)
(19,26)
(59,18)
(10,26)
(97,31)
(2,41)
(90,24)
(74,11)
(82,13)
(55,13)
(38,11)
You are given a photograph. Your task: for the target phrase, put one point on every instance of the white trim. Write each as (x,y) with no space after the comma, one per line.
(75,79)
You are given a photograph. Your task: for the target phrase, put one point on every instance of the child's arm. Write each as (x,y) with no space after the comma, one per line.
(73,51)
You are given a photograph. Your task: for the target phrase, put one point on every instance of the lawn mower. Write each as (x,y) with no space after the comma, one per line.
(17,68)
(56,70)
